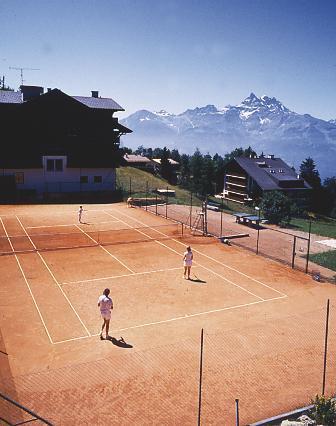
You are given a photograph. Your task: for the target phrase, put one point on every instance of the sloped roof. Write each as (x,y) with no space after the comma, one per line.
(10,97)
(269,172)
(132,158)
(99,103)
(171,161)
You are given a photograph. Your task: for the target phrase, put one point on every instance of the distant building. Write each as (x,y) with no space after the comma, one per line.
(249,178)
(56,143)
(138,161)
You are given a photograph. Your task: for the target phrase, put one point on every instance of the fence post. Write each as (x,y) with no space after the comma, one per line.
(130,186)
(200,381)
(156,204)
(167,203)
(222,206)
(191,201)
(146,193)
(237,412)
(308,248)
(293,252)
(325,349)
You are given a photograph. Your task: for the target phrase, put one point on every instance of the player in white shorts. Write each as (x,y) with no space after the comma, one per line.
(187,262)
(105,305)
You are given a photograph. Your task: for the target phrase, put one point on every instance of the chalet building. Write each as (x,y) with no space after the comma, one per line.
(247,179)
(56,143)
(138,161)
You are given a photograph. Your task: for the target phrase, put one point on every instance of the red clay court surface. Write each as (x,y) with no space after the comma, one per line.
(263,322)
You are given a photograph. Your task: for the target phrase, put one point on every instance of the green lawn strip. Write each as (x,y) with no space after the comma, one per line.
(326,259)
(319,227)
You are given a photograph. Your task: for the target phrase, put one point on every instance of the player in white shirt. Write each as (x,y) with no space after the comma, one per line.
(187,262)
(80,212)
(105,305)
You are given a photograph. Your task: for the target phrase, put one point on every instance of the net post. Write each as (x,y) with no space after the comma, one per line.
(200,381)
(156,201)
(237,412)
(293,253)
(325,348)
(308,248)
(146,193)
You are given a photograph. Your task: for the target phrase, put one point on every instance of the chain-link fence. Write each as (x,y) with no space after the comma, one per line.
(277,363)
(306,245)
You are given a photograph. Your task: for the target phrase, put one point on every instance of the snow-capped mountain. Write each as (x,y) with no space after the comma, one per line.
(263,123)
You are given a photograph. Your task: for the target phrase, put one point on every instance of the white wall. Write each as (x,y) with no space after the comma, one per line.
(66,181)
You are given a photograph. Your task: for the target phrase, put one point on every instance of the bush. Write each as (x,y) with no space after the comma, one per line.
(276,207)
(324,411)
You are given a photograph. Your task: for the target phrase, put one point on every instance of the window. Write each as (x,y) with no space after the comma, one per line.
(84,179)
(97,179)
(55,165)
(19,177)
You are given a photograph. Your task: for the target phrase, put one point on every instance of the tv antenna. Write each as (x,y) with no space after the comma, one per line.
(21,71)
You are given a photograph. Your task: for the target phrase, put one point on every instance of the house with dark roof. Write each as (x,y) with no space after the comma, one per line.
(247,179)
(57,143)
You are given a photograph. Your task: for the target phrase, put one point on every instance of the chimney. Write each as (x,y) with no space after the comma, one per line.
(49,89)
(31,92)
(94,93)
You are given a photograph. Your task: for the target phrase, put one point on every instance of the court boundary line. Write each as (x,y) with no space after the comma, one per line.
(67,224)
(120,276)
(181,317)
(27,284)
(55,280)
(215,260)
(99,245)
(197,263)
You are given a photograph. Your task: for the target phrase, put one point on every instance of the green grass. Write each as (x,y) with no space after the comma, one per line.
(326,259)
(326,228)
(140,180)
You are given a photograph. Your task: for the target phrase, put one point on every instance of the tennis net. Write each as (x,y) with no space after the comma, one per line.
(68,240)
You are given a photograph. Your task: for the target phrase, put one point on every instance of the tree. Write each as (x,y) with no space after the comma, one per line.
(166,170)
(219,171)
(329,186)
(239,152)
(207,176)
(175,155)
(185,169)
(196,163)
(276,207)
(310,174)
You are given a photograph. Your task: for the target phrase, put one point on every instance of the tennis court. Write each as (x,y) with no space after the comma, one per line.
(53,271)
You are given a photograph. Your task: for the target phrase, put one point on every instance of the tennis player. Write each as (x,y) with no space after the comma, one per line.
(80,212)
(187,262)
(105,305)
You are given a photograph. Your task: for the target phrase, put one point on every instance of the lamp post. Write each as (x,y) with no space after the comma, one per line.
(258,209)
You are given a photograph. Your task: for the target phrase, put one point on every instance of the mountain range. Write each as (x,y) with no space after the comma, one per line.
(263,123)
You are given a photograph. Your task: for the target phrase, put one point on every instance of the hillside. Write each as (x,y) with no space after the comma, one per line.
(140,180)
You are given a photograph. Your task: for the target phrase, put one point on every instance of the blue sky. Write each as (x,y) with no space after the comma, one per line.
(174,55)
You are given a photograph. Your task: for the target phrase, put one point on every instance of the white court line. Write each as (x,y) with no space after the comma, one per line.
(183,317)
(55,280)
(68,224)
(114,257)
(27,284)
(215,260)
(197,263)
(119,276)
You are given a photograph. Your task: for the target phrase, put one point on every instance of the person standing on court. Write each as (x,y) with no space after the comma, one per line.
(80,212)
(105,305)
(187,262)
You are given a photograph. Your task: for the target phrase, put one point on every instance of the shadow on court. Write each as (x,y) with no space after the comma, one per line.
(120,342)
(197,280)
